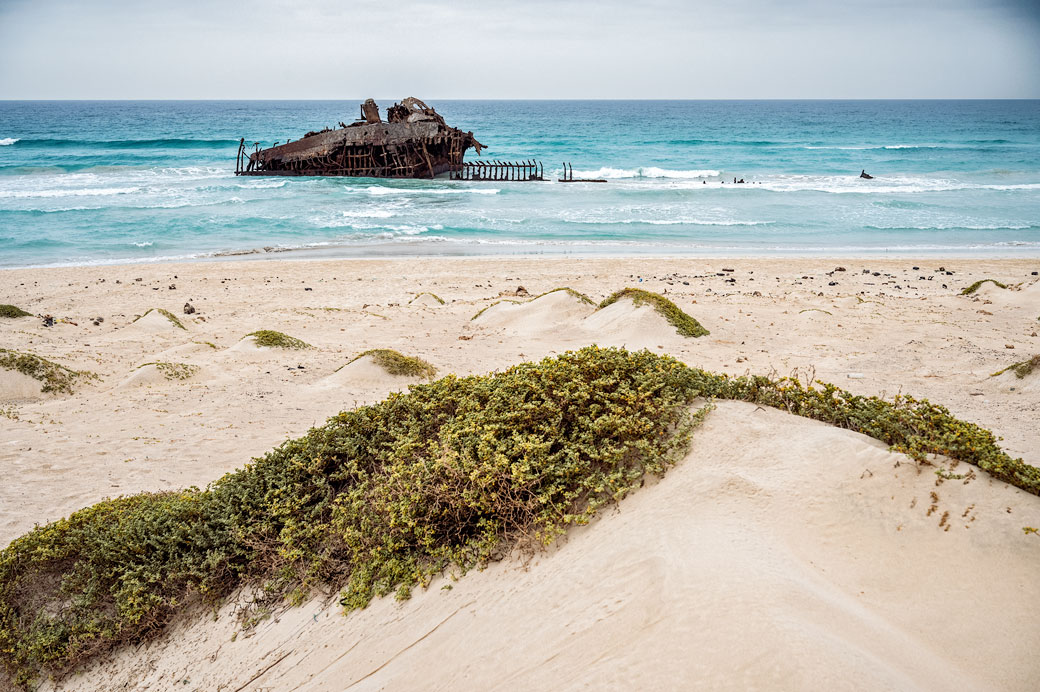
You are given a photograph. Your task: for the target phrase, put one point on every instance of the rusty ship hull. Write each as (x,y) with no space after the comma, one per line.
(414,142)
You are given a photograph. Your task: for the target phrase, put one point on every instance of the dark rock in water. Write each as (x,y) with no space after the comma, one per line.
(865,175)
(189,309)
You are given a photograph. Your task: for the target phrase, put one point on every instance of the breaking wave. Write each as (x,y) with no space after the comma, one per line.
(380,190)
(72,192)
(952,227)
(8,141)
(669,222)
(644,172)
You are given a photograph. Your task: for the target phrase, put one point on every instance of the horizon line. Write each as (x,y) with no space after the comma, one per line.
(930,98)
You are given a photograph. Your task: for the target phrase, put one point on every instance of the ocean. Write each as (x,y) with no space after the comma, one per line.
(85,183)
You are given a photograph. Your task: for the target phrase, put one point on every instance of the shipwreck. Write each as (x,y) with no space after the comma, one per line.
(413,142)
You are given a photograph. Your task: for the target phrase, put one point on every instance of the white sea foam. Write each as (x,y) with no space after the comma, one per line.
(7,141)
(644,172)
(146,243)
(71,192)
(872,146)
(367,214)
(668,222)
(378,190)
(951,227)
(262,186)
(840,184)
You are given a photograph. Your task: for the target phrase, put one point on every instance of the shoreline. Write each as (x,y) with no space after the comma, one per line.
(324,255)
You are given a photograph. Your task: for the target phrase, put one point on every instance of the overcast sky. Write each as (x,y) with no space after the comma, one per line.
(483,49)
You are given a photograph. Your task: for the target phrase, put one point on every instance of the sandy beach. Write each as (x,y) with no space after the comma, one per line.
(781,553)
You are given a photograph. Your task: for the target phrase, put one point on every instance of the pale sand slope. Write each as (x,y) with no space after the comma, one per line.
(135,430)
(792,555)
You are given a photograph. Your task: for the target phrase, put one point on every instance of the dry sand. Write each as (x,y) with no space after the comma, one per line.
(781,553)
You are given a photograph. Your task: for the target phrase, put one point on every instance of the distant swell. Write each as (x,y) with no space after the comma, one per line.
(87,144)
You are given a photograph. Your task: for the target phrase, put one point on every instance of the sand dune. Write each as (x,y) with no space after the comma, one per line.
(365,374)
(1025,297)
(16,386)
(425,300)
(155,322)
(780,554)
(161,373)
(567,319)
(545,314)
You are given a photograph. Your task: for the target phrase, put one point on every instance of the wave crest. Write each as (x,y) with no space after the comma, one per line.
(644,172)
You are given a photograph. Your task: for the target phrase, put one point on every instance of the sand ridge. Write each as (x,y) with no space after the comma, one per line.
(789,557)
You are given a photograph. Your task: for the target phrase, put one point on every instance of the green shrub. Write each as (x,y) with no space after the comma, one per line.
(165,313)
(683,323)
(268,338)
(398,364)
(456,472)
(54,377)
(975,286)
(174,371)
(453,474)
(12,312)
(1021,369)
(426,293)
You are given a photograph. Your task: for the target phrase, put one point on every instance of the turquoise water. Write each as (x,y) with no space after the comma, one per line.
(100,182)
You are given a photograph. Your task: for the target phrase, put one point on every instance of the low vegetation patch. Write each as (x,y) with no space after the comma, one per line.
(978,284)
(427,293)
(451,475)
(268,338)
(683,323)
(577,294)
(12,312)
(175,371)
(55,378)
(165,313)
(1021,369)
(399,364)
